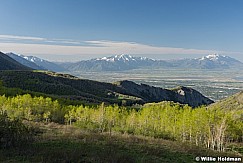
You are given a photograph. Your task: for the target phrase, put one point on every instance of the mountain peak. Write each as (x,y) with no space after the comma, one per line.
(12,54)
(8,63)
(214,57)
(33,58)
(123,58)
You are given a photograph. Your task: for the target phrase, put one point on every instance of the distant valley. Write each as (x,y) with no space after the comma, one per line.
(215,84)
(215,76)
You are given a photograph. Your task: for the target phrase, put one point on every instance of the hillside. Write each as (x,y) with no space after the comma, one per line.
(61,143)
(234,102)
(148,93)
(125,92)
(157,132)
(65,86)
(7,63)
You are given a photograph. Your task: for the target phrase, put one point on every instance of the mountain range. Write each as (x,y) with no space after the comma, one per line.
(113,63)
(36,63)
(127,62)
(25,61)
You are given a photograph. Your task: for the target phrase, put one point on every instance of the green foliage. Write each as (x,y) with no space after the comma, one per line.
(211,128)
(14,133)
(61,143)
(25,107)
(234,102)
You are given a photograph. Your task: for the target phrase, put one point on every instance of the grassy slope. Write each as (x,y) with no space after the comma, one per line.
(60,143)
(234,102)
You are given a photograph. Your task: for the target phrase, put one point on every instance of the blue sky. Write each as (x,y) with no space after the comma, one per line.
(83,29)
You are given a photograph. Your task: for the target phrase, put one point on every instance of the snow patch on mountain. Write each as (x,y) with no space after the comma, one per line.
(215,57)
(123,58)
(33,59)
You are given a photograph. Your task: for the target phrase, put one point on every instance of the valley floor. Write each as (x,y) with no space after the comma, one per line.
(62,143)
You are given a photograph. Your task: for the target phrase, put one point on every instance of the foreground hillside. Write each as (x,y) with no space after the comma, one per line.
(89,91)
(33,130)
(60,143)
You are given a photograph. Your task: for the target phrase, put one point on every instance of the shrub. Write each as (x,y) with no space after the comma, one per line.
(14,133)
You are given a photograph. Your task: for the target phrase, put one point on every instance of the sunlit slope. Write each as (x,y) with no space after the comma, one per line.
(234,102)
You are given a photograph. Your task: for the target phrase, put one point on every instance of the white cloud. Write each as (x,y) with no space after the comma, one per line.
(91,49)
(102,48)
(12,37)
(63,42)
(136,48)
(37,39)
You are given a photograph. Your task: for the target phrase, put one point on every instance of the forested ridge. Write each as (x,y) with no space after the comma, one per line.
(94,92)
(65,86)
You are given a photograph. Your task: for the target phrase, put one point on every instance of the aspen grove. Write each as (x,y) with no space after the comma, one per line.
(211,128)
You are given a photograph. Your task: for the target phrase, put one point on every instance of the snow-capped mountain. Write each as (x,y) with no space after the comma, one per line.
(113,63)
(128,62)
(124,58)
(8,63)
(36,63)
(221,59)
(212,61)
(44,63)
(24,61)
